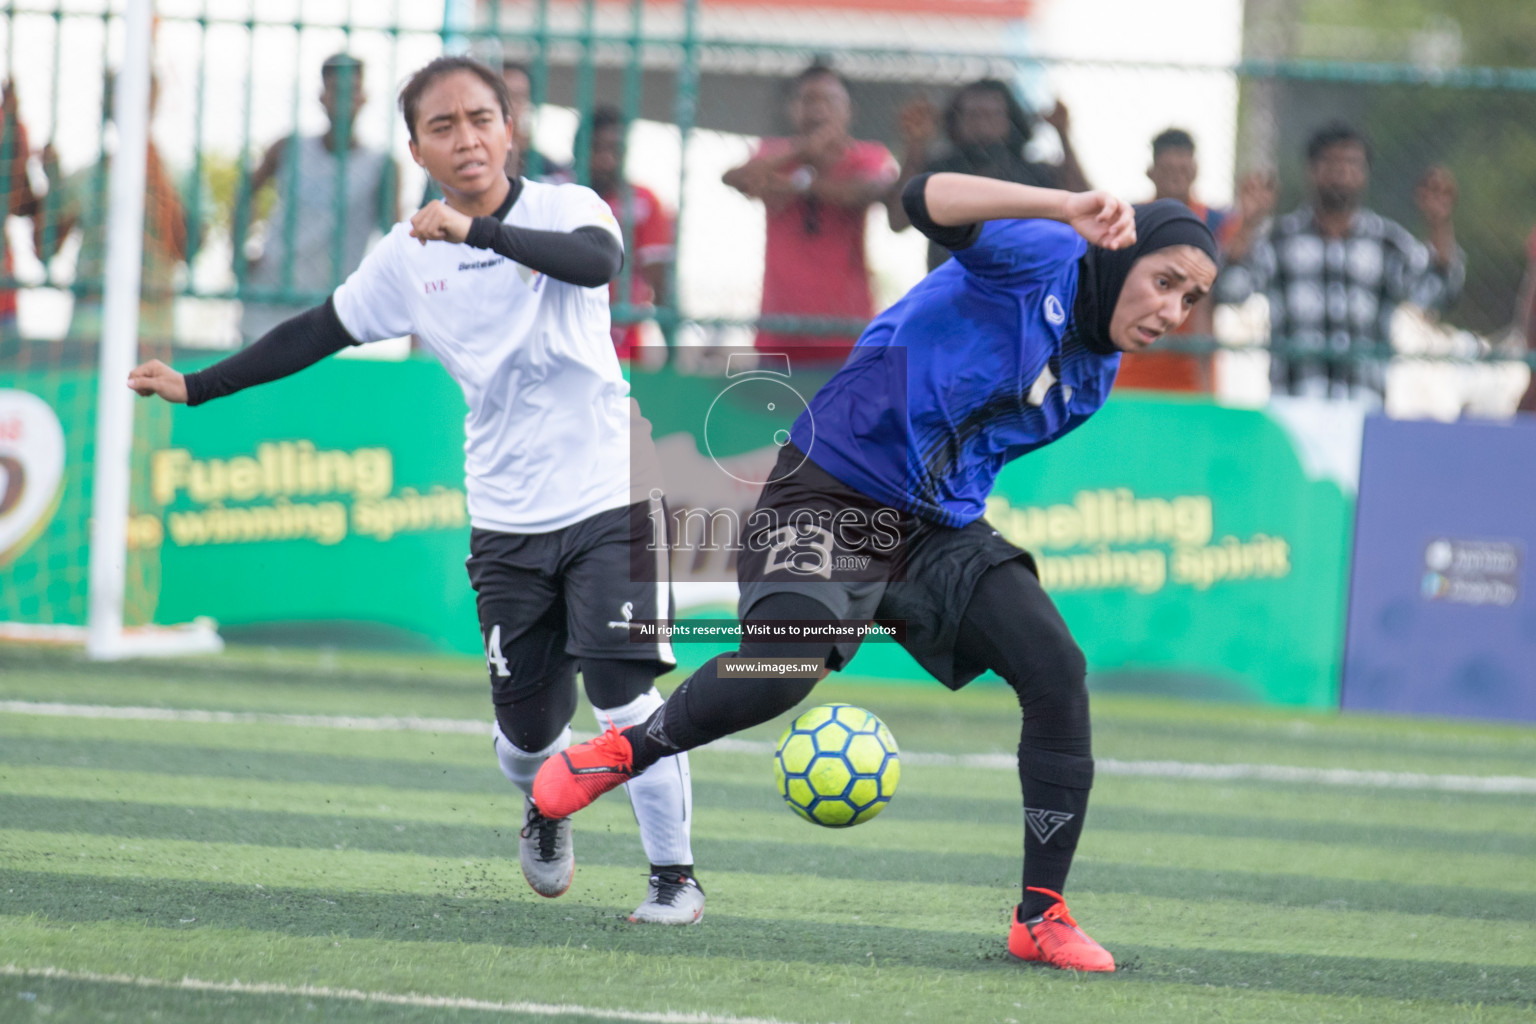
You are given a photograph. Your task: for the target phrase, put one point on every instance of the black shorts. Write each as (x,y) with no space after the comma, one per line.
(812,534)
(547,600)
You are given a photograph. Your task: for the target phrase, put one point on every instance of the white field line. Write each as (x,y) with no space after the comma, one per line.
(391,998)
(1506,784)
(384,724)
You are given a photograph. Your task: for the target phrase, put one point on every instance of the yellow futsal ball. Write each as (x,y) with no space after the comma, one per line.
(837,765)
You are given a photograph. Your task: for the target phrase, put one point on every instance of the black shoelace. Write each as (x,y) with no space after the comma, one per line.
(668,888)
(548,830)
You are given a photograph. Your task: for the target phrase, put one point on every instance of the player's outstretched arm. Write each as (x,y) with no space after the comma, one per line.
(955,200)
(286,349)
(155,378)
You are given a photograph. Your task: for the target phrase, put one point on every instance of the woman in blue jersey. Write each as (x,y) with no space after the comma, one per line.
(874,508)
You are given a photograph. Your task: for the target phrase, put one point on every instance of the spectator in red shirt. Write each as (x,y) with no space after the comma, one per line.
(817,188)
(1172,173)
(647,226)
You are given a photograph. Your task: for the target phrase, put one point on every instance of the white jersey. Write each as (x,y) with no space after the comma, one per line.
(547,438)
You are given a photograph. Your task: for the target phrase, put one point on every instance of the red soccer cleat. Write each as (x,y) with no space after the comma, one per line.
(576,776)
(1054,938)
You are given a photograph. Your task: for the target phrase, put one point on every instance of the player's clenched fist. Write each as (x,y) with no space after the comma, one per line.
(438,222)
(1102,218)
(155,378)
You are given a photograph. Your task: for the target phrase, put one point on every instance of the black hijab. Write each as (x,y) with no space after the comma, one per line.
(1102,272)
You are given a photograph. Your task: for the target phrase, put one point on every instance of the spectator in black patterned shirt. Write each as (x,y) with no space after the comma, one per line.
(1335,271)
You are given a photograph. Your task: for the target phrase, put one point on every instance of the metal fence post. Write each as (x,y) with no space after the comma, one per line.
(685,109)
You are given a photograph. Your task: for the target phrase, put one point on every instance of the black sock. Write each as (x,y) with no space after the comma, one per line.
(706,707)
(1056,790)
(686,870)
(1011,626)
(648,749)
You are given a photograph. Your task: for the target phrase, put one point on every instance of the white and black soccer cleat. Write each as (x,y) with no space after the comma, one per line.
(544,847)
(673,898)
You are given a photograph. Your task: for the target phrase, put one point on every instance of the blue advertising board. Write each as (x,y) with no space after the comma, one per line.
(1442,615)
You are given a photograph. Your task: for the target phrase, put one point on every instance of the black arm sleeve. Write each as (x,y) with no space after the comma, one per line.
(286,349)
(914,200)
(589,256)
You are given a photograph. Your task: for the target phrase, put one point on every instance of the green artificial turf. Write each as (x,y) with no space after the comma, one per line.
(372,874)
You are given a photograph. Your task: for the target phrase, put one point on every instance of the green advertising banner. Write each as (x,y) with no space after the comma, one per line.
(325,507)
(1193,549)
(1189,549)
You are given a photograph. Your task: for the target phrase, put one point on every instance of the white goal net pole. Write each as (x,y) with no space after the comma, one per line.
(119,339)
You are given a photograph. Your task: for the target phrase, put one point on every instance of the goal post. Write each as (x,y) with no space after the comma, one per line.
(119,341)
(106,638)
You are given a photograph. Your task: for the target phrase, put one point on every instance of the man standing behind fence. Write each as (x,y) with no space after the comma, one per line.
(647,227)
(1335,271)
(79,201)
(304,250)
(525,161)
(1173,172)
(986,129)
(817,187)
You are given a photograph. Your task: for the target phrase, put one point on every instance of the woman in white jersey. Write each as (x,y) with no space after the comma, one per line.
(506,283)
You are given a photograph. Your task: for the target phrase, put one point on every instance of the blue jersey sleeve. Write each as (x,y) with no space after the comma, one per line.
(1012,252)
